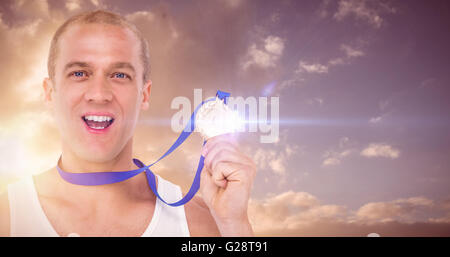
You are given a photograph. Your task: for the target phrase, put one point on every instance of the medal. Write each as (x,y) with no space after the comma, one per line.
(215,118)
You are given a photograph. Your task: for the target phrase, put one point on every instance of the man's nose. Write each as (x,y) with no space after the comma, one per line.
(99,91)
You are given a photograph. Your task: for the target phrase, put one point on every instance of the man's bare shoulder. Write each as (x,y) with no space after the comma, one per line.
(4,214)
(199,218)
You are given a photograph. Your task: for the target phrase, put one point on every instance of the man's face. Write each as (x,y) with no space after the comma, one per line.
(98,90)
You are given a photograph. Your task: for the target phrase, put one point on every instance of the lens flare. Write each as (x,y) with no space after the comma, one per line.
(216,118)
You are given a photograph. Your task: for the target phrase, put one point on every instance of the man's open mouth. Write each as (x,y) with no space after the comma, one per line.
(98,122)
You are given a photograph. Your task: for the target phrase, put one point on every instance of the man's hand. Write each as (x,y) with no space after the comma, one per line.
(226,182)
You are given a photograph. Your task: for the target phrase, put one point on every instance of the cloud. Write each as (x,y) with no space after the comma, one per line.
(375,119)
(29,138)
(335,155)
(344,141)
(347,53)
(319,68)
(322,11)
(233,3)
(311,67)
(443,205)
(380,150)
(95,2)
(316,100)
(24,48)
(274,45)
(22,144)
(444,219)
(401,210)
(274,160)
(266,56)
(77,5)
(294,213)
(289,210)
(141,17)
(351,52)
(368,11)
(380,118)
(337,61)
(73,5)
(331,161)
(334,158)
(31,9)
(330,228)
(384,104)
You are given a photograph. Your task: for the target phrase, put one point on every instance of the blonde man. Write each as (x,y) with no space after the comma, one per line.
(99,73)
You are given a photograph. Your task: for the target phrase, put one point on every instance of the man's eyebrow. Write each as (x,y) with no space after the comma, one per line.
(116,65)
(77,64)
(119,65)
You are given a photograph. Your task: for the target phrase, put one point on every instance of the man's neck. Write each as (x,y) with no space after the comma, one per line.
(133,188)
(71,162)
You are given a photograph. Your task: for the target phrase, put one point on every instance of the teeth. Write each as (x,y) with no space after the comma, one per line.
(98,118)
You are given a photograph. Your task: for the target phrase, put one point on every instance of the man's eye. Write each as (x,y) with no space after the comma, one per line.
(120,75)
(79,74)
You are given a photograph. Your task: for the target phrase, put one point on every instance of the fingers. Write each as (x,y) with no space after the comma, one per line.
(218,177)
(229,138)
(207,186)
(224,152)
(225,173)
(219,149)
(224,162)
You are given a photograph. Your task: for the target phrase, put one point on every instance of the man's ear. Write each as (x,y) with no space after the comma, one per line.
(47,84)
(146,92)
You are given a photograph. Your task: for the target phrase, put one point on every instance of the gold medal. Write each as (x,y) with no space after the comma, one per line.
(216,118)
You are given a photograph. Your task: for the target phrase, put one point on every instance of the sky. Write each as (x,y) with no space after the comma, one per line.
(363,89)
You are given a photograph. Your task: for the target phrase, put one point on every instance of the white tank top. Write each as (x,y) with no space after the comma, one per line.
(27,218)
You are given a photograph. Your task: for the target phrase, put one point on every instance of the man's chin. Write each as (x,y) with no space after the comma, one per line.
(98,153)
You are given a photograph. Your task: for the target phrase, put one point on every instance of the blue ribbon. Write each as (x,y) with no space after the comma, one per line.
(103,178)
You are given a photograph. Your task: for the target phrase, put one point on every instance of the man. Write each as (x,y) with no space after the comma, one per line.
(98,82)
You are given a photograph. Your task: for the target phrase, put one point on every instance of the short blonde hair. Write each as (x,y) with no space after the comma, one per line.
(98,17)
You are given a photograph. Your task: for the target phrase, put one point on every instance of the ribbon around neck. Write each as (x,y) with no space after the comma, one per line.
(110,177)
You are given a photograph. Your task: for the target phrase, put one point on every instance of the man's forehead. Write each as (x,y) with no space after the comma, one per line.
(84,40)
(97,35)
